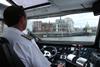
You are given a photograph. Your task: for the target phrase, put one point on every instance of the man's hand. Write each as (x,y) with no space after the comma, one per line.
(60,65)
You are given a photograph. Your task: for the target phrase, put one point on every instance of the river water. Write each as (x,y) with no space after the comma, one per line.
(74,38)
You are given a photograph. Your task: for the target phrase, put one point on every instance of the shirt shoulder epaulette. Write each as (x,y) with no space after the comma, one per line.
(27,37)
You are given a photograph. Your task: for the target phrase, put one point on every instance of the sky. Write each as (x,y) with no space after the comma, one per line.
(80,20)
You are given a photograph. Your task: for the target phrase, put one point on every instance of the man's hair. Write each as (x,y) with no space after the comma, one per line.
(12,15)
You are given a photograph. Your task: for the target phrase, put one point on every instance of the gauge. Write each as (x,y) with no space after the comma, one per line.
(64,56)
(72,48)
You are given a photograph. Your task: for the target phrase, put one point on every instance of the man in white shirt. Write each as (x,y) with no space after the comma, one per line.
(27,50)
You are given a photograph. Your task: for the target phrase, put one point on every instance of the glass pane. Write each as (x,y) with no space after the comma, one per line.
(28,3)
(2,26)
(5,2)
(74,27)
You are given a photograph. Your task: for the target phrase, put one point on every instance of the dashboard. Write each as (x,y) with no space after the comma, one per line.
(76,56)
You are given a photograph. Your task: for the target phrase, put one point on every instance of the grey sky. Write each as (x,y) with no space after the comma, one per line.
(80,20)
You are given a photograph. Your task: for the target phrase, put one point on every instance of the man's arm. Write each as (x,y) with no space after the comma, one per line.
(60,65)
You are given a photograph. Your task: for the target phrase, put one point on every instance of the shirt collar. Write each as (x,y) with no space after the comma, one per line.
(15,30)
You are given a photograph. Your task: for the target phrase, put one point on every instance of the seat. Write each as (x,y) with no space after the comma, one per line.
(8,58)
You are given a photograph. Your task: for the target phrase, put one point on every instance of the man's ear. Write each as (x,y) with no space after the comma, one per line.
(22,24)
(21,21)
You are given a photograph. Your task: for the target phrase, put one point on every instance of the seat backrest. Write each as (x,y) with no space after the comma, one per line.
(7,55)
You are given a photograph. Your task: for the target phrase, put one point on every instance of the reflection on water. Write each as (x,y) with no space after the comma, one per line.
(75,38)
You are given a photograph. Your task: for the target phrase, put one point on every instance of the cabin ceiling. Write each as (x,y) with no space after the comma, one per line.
(56,8)
(60,8)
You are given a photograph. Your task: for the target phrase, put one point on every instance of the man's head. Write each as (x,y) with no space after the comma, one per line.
(14,16)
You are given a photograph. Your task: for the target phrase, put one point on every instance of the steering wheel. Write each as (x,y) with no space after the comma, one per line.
(49,51)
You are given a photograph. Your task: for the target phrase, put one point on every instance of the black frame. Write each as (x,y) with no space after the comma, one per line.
(11,2)
(1,19)
(96,44)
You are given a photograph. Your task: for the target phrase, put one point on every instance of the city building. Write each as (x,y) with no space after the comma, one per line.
(37,25)
(64,25)
(69,24)
(78,29)
(60,25)
(94,29)
(87,28)
(47,27)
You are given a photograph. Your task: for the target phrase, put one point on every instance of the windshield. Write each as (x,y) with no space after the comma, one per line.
(74,27)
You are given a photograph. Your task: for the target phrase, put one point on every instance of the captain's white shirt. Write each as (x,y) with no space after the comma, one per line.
(27,50)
